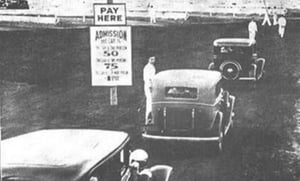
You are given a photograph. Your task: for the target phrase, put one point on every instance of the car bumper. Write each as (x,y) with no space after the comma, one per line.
(247,78)
(179,138)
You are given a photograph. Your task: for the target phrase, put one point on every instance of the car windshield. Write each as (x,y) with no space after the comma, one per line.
(181,92)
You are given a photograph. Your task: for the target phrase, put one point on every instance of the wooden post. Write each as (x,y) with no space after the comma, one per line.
(113,90)
(114,96)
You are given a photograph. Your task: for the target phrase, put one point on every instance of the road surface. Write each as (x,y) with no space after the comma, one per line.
(45,83)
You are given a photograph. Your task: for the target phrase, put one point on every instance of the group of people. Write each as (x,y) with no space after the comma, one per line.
(281,22)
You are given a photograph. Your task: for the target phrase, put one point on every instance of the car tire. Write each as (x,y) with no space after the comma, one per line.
(230,70)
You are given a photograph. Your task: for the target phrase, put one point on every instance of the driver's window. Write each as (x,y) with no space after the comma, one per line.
(125,153)
(112,169)
(218,89)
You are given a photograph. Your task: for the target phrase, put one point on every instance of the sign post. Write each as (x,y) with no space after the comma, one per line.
(110,39)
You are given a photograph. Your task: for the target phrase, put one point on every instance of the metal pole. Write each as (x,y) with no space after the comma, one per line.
(2,94)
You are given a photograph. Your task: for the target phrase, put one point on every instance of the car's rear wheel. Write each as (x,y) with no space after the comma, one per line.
(230,70)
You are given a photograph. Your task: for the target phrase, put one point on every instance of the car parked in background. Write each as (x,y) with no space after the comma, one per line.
(237,59)
(16,4)
(189,105)
(69,154)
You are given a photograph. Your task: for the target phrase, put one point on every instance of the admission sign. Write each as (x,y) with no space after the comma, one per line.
(111,55)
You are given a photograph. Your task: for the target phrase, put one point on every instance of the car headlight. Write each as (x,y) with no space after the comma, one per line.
(93,178)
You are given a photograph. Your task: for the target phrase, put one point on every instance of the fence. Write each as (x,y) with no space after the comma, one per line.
(168,9)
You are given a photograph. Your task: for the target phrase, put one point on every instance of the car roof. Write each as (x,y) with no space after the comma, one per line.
(188,77)
(204,80)
(61,148)
(241,42)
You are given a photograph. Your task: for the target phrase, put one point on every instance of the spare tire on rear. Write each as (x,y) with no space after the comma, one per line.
(230,70)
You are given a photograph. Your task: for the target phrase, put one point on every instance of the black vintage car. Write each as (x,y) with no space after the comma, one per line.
(17,4)
(189,105)
(237,59)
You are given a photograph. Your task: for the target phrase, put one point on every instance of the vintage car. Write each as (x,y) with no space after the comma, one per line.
(237,59)
(69,154)
(17,4)
(189,105)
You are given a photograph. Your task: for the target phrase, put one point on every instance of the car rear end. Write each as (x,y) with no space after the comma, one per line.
(183,122)
(184,106)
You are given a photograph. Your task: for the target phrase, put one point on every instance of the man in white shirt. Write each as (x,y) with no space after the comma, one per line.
(266,18)
(148,74)
(252,28)
(281,26)
(275,17)
(152,13)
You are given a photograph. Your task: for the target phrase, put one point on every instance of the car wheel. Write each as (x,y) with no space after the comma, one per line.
(230,70)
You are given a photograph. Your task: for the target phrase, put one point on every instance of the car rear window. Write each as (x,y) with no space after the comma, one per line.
(181,92)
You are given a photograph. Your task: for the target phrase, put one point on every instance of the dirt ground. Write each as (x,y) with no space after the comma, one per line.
(45,83)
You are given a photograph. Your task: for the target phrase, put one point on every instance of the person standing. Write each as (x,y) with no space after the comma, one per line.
(266,19)
(281,26)
(252,28)
(152,13)
(148,74)
(275,17)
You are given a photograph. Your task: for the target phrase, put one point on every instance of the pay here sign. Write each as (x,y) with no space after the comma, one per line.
(109,14)
(111,56)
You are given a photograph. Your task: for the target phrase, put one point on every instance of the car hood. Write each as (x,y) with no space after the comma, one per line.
(65,154)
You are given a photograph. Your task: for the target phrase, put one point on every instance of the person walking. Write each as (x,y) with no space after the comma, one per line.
(275,17)
(266,18)
(148,74)
(281,26)
(252,28)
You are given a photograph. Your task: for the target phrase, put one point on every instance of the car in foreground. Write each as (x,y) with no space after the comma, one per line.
(189,105)
(237,59)
(67,154)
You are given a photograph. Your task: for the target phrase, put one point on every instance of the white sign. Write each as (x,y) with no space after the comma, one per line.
(109,14)
(111,55)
